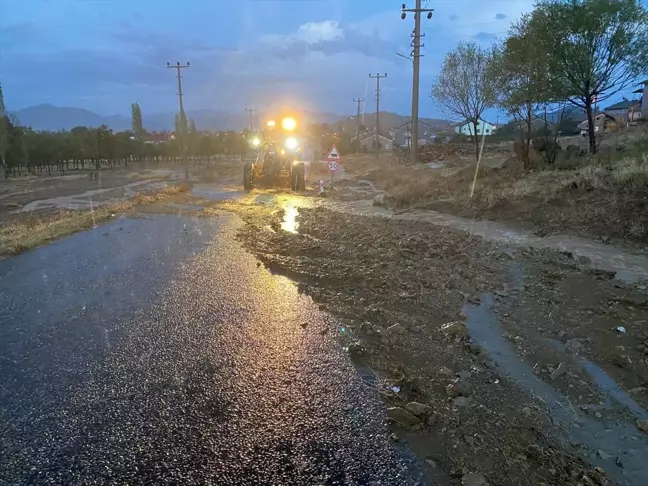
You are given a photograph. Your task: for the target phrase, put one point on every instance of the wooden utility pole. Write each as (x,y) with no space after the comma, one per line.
(416,58)
(183,117)
(358,101)
(378,76)
(250,111)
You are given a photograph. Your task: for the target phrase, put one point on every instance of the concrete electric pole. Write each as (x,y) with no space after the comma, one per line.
(183,118)
(378,76)
(358,101)
(250,111)
(416,57)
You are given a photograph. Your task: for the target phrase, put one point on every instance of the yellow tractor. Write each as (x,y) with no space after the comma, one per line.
(279,161)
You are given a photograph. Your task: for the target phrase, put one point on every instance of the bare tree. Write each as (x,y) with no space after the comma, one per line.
(465,87)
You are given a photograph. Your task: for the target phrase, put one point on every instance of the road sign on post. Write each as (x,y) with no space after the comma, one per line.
(333,154)
(333,158)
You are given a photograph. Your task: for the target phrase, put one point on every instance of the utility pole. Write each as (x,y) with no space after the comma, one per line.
(183,118)
(250,111)
(416,56)
(378,76)
(358,101)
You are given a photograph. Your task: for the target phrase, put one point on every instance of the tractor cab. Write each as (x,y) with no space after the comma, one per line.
(279,158)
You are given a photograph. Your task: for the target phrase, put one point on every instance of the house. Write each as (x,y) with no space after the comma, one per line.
(625,110)
(483,128)
(643,99)
(157,137)
(601,121)
(368,142)
(402,135)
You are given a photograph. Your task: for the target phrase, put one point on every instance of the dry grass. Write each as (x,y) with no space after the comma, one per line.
(20,236)
(627,176)
(602,196)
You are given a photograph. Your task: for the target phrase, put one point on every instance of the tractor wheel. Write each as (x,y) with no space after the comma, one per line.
(298,174)
(247,177)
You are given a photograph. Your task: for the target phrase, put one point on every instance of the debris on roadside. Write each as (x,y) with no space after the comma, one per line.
(643,425)
(402,416)
(455,329)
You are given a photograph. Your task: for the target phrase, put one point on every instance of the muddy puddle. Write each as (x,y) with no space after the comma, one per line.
(94,197)
(216,193)
(630,267)
(616,446)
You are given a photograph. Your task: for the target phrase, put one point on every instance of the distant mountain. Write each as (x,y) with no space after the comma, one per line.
(50,117)
(388,120)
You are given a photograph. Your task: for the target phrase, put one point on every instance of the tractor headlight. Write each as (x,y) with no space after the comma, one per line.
(291,143)
(288,124)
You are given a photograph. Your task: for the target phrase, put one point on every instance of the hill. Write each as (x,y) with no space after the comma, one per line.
(388,120)
(50,117)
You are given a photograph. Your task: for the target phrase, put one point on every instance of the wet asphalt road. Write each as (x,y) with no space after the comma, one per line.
(156,351)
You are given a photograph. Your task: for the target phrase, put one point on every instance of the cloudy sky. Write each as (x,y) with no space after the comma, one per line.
(104,54)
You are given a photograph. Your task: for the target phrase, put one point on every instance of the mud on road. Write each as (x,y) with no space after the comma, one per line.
(515,359)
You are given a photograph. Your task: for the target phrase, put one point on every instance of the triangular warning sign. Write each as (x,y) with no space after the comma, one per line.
(333,154)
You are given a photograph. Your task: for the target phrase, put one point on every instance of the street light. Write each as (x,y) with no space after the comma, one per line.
(256,142)
(271,123)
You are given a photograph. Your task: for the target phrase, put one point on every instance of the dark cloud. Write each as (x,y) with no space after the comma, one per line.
(133,68)
(500,16)
(352,42)
(135,39)
(484,37)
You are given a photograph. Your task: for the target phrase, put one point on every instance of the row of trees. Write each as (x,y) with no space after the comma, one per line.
(565,52)
(23,149)
(82,147)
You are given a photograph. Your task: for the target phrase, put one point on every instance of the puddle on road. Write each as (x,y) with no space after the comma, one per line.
(186,207)
(290,223)
(94,197)
(616,438)
(215,193)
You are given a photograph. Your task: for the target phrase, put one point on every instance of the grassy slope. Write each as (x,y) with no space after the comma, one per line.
(604,196)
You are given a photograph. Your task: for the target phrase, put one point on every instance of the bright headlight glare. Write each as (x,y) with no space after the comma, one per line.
(289,124)
(291,143)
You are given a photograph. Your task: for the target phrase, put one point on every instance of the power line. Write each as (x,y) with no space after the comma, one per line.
(377,77)
(416,58)
(358,101)
(250,111)
(183,118)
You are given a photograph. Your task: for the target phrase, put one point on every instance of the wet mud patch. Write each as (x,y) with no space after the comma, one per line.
(402,285)
(561,314)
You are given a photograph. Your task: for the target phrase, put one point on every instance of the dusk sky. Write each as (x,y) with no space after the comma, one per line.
(103,55)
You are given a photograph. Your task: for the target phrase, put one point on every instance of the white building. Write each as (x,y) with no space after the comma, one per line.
(483,128)
(368,142)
